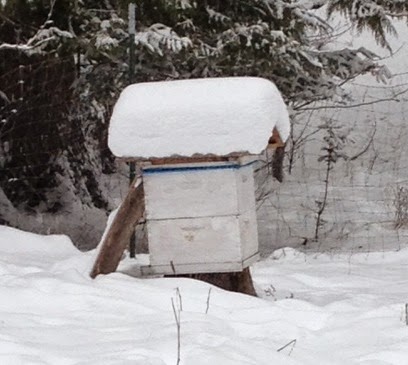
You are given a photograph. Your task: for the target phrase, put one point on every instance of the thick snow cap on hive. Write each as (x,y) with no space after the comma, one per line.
(216,116)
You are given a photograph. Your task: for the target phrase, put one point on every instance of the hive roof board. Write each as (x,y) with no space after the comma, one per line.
(216,116)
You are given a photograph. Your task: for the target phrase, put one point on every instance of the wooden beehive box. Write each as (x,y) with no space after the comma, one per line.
(200,217)
(190,138)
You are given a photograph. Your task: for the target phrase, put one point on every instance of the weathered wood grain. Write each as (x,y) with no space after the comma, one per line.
(119,233)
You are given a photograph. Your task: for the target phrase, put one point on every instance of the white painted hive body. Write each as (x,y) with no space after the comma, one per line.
(201,218)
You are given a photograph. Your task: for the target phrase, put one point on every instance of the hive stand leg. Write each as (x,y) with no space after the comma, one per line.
(277,163)
(240,282)
(117,238)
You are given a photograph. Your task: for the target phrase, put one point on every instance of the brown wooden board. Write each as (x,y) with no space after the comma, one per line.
(119,233)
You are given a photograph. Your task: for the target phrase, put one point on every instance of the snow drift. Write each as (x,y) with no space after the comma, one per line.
(316,309)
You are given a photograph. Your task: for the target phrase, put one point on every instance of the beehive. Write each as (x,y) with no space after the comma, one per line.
(200,217)
(200,211)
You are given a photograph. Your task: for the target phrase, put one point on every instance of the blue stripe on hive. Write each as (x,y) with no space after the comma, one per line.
(160,170)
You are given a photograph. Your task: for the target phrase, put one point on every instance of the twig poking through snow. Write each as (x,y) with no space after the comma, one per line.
(208,301)
(293,343)
(179,298)
(406,314)
(177,313)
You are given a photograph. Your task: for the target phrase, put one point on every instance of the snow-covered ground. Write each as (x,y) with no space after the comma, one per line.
(340,309)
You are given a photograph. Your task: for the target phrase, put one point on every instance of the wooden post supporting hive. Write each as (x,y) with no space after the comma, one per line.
(119,233)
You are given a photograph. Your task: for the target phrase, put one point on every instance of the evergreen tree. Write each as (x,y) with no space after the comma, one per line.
(64,63)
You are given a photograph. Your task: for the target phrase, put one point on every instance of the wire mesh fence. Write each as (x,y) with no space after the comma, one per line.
(363,191)
(53,179)
(55,167)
